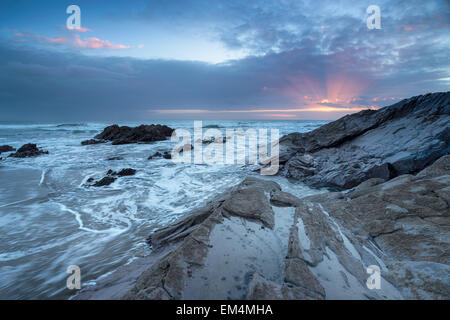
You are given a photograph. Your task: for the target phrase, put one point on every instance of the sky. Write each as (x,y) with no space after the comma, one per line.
(217,59)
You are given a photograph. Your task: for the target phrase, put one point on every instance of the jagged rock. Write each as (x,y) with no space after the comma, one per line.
(106,181)
(167,155)
(143,133)
(6,148)
(28,150)
(400,139)
(92,141)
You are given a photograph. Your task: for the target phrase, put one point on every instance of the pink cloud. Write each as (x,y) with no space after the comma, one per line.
(75,40)
(95,43)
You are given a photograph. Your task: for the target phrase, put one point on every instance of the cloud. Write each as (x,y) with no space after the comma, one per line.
(304,60)
(74,40)
(47,84)
(95,43)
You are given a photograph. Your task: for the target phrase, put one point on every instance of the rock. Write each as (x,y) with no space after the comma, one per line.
(250,203)
(166,155)
(126,172)
(143,133)
(403,138)
(106,181)
(28,150)
(92,141)
(266,185)
(404,221)
(284,199)
(179,273)
(6,148)
(318,250)
(155,155)
(115,158)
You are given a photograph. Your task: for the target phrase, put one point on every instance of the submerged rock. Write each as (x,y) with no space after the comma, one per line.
(28,150)
(400,139)
(142,133)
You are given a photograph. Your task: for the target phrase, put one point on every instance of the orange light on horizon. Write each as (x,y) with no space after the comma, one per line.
(279,112)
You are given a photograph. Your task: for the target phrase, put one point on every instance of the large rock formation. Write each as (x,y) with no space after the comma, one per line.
(257,242)
(399,139)
(125,134)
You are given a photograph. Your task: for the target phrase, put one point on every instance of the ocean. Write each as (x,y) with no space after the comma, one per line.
(51,219)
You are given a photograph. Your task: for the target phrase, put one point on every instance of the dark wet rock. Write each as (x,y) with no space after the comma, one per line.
(28,150)
(403,138)
(143,133)
(115,158)
(90,180)
(126,172)
(122,173)
(6,148)
(155,155)
(106,181)
(167,155)
(92,141)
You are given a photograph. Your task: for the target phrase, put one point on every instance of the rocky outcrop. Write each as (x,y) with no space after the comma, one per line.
(28,150)
(6,148)
(400,139)
(142,133)
(405,222)
(256,241)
